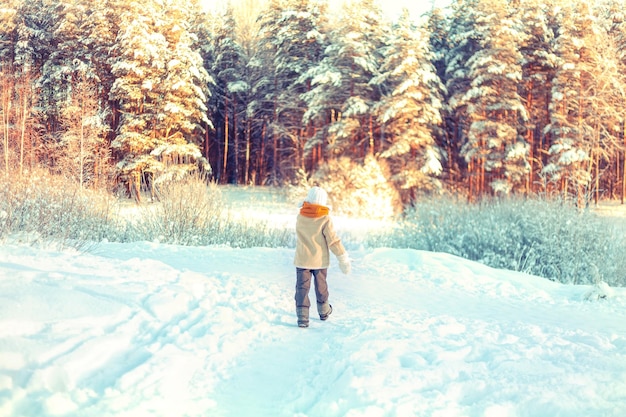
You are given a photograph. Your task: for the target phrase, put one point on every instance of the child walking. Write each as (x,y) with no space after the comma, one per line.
(316,238)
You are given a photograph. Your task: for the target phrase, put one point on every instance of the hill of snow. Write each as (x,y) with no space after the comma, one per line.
(153,330)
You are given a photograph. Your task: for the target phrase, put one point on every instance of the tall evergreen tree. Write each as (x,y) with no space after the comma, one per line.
(410,109)
(201,25)
(462,44)
(290,41)
(494,144)
(228,66)
(35,22)
(572,130)
(183,110)
(101,30)
(539,65)
(438,29)
(617,17)
(263,103)
(70,54)
(75,117)
(161,89)
(299,43)
(138,70)
(342,99)
(8,16)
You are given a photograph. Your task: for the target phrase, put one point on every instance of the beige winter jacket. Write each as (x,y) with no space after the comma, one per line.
(315,236)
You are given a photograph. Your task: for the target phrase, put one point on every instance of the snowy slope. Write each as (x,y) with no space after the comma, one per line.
(154,330)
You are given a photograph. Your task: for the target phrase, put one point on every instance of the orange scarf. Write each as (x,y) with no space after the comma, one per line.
(313,210)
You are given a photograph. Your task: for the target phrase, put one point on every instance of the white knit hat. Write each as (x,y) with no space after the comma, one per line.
(317,196)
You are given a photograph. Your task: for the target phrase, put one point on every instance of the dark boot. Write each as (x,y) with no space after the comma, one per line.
(324,310)
(303,316)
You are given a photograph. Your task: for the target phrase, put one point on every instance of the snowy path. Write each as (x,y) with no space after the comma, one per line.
(154,330)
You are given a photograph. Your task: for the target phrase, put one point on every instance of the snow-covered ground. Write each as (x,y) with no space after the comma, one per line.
(148,329)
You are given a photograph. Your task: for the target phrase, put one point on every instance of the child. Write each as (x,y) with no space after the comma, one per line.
(315,237)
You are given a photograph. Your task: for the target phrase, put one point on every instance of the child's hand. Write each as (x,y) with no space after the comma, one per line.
(344,263)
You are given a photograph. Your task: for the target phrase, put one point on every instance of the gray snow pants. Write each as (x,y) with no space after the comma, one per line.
(303,285)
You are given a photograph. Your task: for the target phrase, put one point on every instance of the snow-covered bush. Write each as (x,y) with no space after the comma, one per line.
(45,207)
(551,239)
(192,212)
(49,208)
(360,190)
(187,211)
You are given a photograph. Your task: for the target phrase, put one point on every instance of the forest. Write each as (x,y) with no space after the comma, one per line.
(485,97)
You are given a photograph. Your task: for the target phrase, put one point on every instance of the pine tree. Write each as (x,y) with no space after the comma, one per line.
(70,54)
(410,109)
(8,24)
(494,106)
(228,66)
(34,24)
(342,99)
(539,64)
(462,44)
(161,89)
(183,109)
(438,29)
(32,38)
(75,117)
(572,121)
(291,41)
(101,31)
(616,16)
(299,42)
(263,104)
(253,149)
(138,69)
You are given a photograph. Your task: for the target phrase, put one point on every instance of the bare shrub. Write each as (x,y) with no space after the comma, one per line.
(552,239)
(189,210)
(192,212)
(42,207)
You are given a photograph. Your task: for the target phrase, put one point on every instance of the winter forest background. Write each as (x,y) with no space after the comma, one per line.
(484,97)
(167,101)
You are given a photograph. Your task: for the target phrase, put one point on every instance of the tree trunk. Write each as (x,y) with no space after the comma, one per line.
(274,158)
(597,190)
(275,144)
(225,162)
(206,145)
(247,164)
(371,135)
(23,125)
(531,144)
(624,163)
(135,186)
(5,106)
(261,167)
(235,142)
